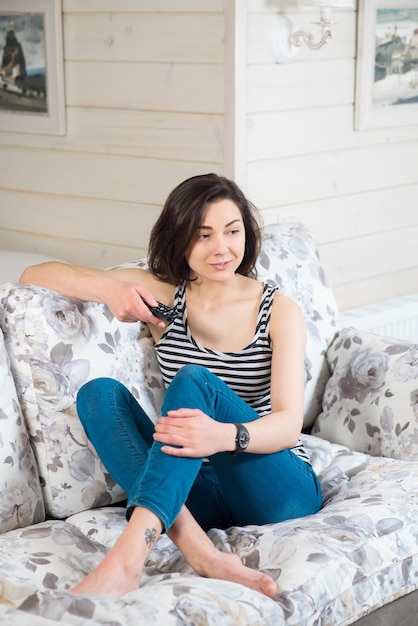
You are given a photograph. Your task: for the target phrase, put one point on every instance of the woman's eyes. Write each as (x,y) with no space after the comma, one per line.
(202,236)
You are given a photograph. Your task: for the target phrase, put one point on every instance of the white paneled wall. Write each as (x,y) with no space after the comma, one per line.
(144,91)
(357,190)
(158,90)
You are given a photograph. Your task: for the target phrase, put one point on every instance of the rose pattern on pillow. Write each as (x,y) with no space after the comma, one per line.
(370,403)
(57,344)
(289,258)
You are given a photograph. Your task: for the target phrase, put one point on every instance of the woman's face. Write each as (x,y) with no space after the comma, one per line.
(218,246)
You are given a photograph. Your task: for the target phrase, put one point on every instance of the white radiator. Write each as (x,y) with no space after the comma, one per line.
(396,318)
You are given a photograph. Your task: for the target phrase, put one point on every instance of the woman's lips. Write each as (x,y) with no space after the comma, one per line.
(221,266)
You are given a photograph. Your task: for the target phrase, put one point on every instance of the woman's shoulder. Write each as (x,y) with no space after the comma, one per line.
(285,307)
(285,302)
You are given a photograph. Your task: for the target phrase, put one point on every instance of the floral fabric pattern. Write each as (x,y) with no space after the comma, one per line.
(358,553)
(56,344)
(21,501)
(289,259)
(371,400)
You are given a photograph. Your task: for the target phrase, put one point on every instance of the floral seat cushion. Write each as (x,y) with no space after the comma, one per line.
(358,553)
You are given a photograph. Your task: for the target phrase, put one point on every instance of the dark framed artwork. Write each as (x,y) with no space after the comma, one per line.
(387,64)
(31,67)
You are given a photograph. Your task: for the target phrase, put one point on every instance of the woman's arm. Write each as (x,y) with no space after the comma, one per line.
(282,427)
(121,290)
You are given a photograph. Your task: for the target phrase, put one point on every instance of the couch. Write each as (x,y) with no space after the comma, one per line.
(356,561)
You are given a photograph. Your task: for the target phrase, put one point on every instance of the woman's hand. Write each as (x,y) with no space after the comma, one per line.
(125,300)
(192,433)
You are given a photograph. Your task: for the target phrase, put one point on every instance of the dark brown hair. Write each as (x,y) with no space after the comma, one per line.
(182,216)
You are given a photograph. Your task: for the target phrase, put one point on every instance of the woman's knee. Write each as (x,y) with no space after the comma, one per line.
(190,369)
(93,396)
(192,387)
(94,389)
(191,372)
(190,379)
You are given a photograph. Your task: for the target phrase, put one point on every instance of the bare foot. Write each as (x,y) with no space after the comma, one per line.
(210,562)
(227,566)
(110,579)
(121,568)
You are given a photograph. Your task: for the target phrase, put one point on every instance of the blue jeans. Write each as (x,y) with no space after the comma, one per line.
(232,490)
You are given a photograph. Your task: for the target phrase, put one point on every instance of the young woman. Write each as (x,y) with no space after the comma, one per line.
(226,449)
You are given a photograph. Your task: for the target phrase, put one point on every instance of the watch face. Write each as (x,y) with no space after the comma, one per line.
(243,440)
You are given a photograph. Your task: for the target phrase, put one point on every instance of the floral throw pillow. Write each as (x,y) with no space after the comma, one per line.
(370,403)
(56,344)
(20,490)
(289,258)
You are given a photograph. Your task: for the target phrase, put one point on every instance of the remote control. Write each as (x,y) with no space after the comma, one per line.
(162,311)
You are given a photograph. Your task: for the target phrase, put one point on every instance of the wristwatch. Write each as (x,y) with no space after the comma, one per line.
(242,439)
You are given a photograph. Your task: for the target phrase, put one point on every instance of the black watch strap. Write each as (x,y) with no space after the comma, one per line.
(242,439)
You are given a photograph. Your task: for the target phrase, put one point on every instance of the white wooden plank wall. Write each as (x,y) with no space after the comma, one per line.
(144,106)
(357,190)
(152,97)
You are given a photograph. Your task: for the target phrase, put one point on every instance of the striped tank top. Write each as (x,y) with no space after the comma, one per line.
(246,372)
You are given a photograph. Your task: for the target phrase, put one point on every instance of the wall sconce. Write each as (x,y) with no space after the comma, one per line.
(286,39)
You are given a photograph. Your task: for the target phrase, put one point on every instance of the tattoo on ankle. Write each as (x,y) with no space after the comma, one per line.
(150,536)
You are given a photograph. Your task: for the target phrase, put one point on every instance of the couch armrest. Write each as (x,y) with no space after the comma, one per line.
(55,345)
(21,502)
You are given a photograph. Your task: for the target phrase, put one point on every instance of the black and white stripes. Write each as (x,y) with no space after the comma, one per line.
(247,372)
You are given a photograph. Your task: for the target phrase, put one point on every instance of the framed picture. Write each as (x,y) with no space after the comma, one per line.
(387,64)
(31,67)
